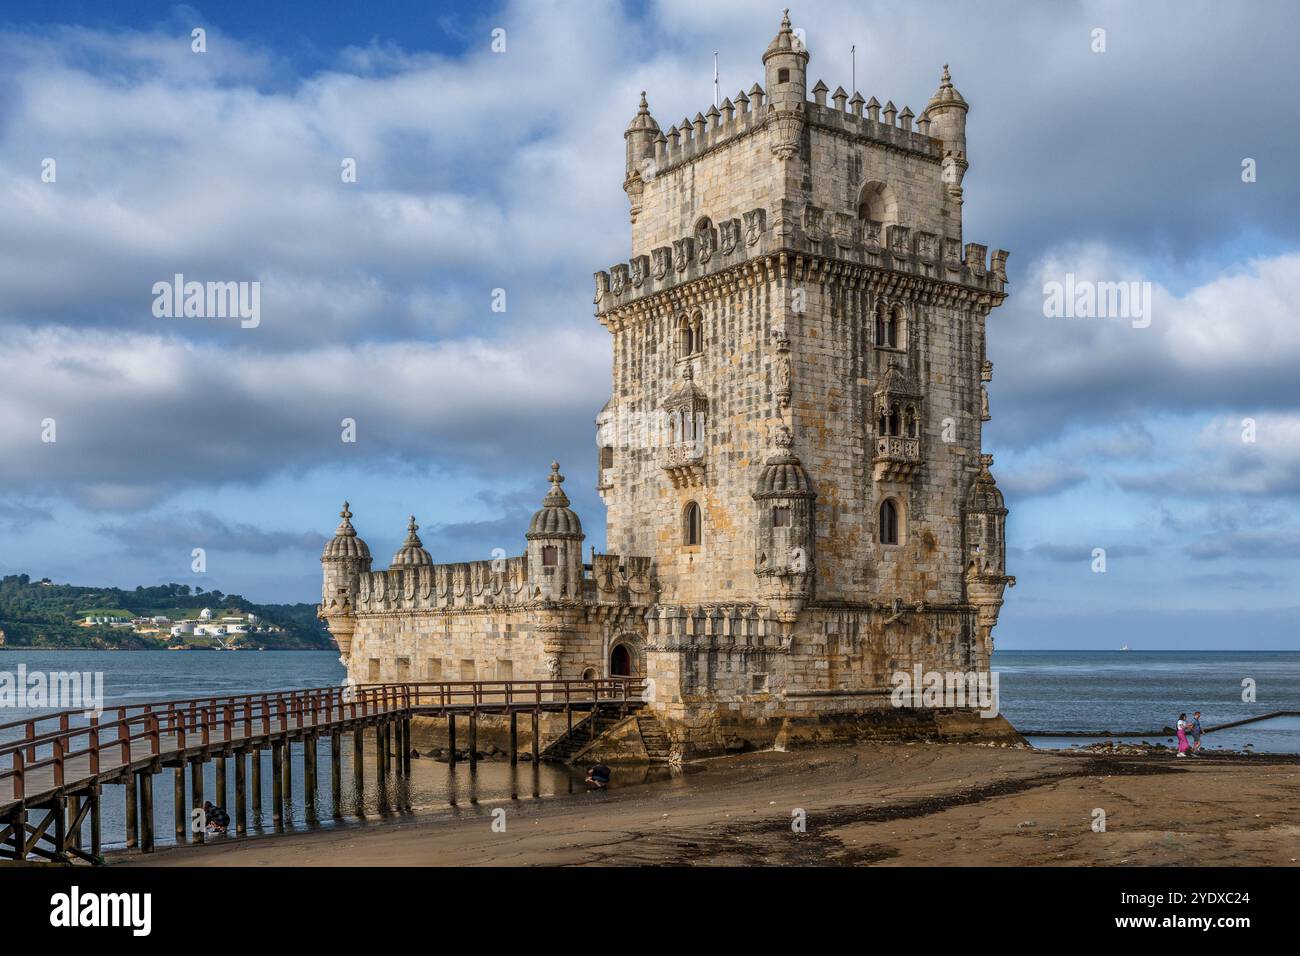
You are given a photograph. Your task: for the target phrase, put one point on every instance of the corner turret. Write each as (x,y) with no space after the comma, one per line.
(946,113)
(345,559)
(784,555)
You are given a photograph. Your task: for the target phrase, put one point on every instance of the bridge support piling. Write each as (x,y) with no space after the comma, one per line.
(473,740)
(336,773)
(286,767)
(514,738)
(145,778)
(359,771)
(128,796)
(96,823)
(74,811)
(277,785)
(451,740)
(406,746)
(19,834)
(536,735)
(309,776)
(256,759)
(241,794)
(220,798)
(60,810)
(178,804)
(196,797)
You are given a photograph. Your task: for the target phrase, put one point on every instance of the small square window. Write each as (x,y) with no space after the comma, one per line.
(780,517)
(783,76)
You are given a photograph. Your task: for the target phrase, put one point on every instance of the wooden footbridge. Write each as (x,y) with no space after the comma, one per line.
(53,768)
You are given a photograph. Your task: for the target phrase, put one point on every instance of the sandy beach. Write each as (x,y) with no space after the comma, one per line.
(884,805)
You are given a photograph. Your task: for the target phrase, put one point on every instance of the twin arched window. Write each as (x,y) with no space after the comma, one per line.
(889,521)
(891,326)
(691,524)
(897,423)
(690,335)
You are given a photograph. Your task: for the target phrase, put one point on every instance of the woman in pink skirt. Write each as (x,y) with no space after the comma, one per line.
(1182,735)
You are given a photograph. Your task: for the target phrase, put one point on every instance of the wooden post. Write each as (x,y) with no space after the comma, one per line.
(286,766)
(146,810)
(359,770)
(256,758)
(220,798)
(451,740)
(60,808)
(309,775)
(96,823)
(277,784)
(196,796)
(178,805)
(132,829)
(74,811)
(336,772)
(406,746)
(514,738)
(241,793)
(473,740)
(536,735)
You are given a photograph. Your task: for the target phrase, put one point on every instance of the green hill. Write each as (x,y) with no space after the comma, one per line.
(43,614)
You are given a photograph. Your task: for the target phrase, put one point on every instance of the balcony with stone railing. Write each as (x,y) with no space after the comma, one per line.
(897,457)
(684,462)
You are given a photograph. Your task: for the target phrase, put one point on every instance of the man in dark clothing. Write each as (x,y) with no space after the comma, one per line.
(1196,732)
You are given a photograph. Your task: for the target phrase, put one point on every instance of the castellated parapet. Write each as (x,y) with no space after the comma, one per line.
(791,448)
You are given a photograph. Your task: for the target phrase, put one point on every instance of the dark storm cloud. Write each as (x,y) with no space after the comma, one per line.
(203,529)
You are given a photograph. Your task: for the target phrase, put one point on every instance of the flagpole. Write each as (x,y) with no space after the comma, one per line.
(716,101)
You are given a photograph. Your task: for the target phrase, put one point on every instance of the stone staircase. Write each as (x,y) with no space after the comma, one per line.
(584,733)
(590,729)
(657,744)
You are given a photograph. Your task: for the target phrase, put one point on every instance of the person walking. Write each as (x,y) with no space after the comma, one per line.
(1196,732)
(1182,735)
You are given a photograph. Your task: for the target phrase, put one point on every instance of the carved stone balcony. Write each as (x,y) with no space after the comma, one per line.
(684,462)
(897,458)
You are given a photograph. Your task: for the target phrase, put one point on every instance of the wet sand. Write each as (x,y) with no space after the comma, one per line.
(887,805)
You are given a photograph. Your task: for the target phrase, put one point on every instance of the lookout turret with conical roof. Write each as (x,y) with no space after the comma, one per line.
(555,544)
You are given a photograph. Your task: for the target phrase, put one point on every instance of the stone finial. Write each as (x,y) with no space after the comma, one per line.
(712,116)
(728,110)
(819,93)
(699,125)
(782,439)
(345,526)
(923,123)
(839,96)
(873,109)
(686,130)
(674,136)
(890,111)
(905,118)
(756,94)
(742,102)
(856,103)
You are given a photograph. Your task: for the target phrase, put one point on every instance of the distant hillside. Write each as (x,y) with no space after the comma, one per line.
(44,614)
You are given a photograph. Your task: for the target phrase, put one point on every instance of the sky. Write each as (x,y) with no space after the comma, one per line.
(1173,444)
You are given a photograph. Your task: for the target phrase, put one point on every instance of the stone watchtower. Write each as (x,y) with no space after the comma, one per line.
(794,430)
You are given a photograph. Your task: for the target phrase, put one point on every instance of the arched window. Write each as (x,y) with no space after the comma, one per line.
(898,326)
(911,421)
(691,524)
(888,522)
(894,429)
(881,312)
(685,336)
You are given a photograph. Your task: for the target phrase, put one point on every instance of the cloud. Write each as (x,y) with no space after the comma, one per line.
(203,529)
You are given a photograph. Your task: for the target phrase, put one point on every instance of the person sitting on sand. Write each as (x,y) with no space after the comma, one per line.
(1196,732)
(599,776)
(1182,735)
(217,818)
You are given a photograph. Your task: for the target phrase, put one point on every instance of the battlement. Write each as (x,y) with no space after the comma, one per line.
(721,247)
(500,583)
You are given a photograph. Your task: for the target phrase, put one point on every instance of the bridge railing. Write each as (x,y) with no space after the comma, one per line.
(53,740)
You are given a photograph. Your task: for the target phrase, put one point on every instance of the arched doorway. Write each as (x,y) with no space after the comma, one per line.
(620,661)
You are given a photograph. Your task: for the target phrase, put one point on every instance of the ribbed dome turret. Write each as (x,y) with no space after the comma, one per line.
(947,94)
(345,543)
(555,519)
(411,554)
(783,475)
(643,120)
(785,41)
(984,496)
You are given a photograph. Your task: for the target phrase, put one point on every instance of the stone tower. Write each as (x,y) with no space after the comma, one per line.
(799,287)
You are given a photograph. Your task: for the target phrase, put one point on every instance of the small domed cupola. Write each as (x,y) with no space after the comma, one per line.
(411,554)
(783,475)
(946,95)
(555,545)
(345,544)
(555,519)
(984,496)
